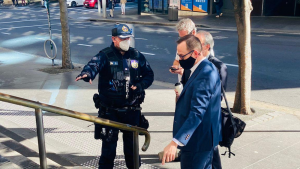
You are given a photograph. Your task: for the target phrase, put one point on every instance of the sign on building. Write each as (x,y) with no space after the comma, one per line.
(200,5)
(194,5)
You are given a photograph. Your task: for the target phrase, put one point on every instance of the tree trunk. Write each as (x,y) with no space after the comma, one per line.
(242,10)
(65,32)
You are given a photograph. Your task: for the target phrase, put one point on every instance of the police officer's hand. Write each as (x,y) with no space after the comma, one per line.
(133,87)
(137,88)
(80,77)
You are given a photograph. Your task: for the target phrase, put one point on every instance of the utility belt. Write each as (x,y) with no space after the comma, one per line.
(104,107)
(119,109)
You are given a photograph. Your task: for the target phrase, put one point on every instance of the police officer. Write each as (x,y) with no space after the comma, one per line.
(124,74)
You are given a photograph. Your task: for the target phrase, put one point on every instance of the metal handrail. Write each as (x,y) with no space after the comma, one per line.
(40,129)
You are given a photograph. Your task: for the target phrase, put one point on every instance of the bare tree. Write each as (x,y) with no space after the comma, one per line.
(65,32)
(242,11)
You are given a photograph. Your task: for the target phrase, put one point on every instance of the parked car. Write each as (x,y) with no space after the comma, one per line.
(73,3)
(118,1)
(93,3)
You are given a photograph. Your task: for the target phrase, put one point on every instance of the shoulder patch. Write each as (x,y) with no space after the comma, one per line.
(134,64)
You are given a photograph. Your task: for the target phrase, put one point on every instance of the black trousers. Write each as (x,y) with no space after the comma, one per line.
(109,145)
(216,162)
(196,160)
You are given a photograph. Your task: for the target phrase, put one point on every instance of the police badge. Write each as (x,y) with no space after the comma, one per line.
(134,64)
(125,29)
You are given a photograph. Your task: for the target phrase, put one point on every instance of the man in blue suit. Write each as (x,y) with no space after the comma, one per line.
(197,119)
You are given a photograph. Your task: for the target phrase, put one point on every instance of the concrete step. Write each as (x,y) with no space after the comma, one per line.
(69,142)
(11,158)
(5,163)
(15,153)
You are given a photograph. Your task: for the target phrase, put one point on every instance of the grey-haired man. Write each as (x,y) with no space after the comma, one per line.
(207,43)
(184,27)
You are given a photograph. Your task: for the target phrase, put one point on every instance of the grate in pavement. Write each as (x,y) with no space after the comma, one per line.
(119,163)
(64,133)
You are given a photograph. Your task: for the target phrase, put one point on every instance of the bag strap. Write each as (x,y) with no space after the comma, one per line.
(229,111)
(231,118)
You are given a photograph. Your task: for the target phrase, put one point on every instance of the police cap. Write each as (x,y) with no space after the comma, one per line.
(122,31)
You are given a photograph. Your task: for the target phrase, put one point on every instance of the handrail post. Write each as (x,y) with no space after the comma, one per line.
(136,150)
(41,138)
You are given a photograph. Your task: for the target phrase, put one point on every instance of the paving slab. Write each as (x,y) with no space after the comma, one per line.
(269,135)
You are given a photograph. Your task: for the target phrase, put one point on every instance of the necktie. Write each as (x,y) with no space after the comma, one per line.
(185,76)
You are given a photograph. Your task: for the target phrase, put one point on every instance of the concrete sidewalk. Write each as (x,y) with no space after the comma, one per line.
(271,139)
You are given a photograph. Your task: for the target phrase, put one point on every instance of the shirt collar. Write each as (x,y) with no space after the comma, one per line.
(195,66)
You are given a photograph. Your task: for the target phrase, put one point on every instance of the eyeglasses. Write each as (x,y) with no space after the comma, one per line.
(185,54)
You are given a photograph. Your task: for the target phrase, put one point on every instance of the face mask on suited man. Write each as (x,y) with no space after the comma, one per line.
(124,45)
(188,63)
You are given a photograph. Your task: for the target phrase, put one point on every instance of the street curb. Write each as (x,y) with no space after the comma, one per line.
(33,5)
(141,23)
(270,31)
(6,7)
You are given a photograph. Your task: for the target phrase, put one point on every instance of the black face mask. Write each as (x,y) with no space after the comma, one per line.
(188,63)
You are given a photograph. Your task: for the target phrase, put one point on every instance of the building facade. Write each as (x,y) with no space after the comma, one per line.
(192,7)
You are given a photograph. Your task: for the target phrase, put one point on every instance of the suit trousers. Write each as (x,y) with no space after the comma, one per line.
(216,162)
(109,145)
(196,160)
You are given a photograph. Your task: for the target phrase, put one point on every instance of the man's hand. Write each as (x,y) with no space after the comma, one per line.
(177,95)
(178,71)
(82,77)
(169,153)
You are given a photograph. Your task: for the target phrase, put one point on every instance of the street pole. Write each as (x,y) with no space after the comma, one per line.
(211,2)
(50,33)
(104,8)
(132,40)
(99,7)
(140,6)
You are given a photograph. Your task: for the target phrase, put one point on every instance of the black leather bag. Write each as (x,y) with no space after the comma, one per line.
(144,123)
(232,127)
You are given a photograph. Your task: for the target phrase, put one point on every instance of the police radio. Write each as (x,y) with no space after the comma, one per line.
(127,79)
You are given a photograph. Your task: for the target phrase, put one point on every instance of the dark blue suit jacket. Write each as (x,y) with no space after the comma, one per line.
(197,120)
